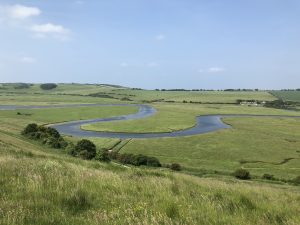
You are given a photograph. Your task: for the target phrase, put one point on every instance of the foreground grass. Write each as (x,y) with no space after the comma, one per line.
(44,187)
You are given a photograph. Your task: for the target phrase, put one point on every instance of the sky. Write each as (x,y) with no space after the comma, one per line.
(211,44)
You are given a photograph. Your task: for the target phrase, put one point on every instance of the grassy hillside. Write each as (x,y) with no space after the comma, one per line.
(80,93)
(287,95)
(43,186)
(39,185)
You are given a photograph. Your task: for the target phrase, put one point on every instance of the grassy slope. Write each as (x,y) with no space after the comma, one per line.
(42,186)
(202,96)
(35,95)
(172,117)
(287,95)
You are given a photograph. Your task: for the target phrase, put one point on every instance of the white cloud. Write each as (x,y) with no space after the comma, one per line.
(28,60)
(21,11)
(212,70)
(160,37)
(216,70)
(50,30)
(17,16)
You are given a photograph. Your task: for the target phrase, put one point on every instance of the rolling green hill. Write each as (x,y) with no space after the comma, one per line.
(41,185)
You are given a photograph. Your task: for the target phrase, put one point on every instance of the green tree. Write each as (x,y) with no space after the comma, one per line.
(85,149)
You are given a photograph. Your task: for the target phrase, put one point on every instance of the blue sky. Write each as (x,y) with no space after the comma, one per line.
(152,43)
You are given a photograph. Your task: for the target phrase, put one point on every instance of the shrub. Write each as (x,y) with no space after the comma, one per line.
(70,149)
(30,128)
(113,155)
(137,160)
(47,135)
(175,166)
(103,156)
(85,149)
(126,159)
(268,176)
(22,86)
(52,132)
(154,162)
(48,86)
(140,160)
(242,174)
(296,180)
(53,142)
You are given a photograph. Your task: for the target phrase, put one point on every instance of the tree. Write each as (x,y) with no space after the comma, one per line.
(30,128)
(85,149)
(52,132)
(48,86)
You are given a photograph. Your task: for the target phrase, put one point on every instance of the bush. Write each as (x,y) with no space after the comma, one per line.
(47,135)
(175,166)
(103,156)
(296,180)
(30,128)
(137,160)
(154,162)
(85,149)
(22,86)
(268,176)
(70,149)
(52,132)
(242,174)
(48,86)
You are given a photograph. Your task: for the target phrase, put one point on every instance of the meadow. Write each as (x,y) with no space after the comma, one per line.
(40,185)
(287,95)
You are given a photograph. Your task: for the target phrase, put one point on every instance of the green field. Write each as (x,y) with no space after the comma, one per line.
(79,93)
(172,117)
(40,185)
(287,95)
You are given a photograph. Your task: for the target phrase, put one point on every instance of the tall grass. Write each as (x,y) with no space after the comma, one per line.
(63,190)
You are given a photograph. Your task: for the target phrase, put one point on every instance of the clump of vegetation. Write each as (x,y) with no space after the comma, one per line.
(22,86)
(126,99)
(268,176)
(136,160)
(175,167)
(85,149)
(242,174)
(280,104)
(101,95)
(103,155)
(47,135)
(48,86)
(296,180)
